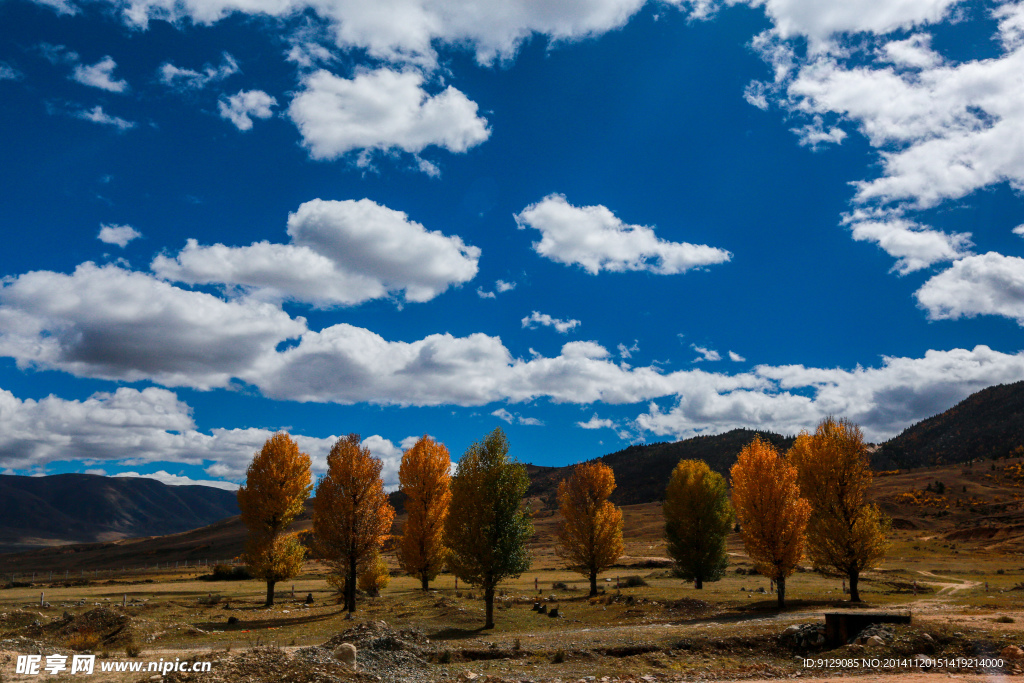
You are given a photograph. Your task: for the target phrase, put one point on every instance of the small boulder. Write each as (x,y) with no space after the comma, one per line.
(346,654)
(874,641)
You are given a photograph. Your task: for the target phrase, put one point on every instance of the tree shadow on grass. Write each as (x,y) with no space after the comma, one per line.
(255,624)
(452,633)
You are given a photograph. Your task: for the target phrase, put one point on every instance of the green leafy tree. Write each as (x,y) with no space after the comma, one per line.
(698,519)
(488,526)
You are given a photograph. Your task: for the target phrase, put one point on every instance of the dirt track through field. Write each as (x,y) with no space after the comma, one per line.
(948,588)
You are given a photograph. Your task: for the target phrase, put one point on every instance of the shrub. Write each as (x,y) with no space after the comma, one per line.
(559,657)
(559,586)
(83,640)
(445,657)
(225,572)
(1004,620)
(132,649)
(210,600)
(634,581)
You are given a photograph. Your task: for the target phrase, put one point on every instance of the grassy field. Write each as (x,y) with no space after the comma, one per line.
(964,557)
(730,628)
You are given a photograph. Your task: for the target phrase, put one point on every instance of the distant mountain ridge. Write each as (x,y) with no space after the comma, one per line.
(83,508)
(986,424)
(642,471)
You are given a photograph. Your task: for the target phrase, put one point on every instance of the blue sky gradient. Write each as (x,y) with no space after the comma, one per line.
(592,224)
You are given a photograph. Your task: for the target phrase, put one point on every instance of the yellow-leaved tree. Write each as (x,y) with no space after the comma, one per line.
(425,477)
(488,526)
(772,514)
(590,533)
(374,575)
(277,485)
(846,534)
(698,519)
(351,514)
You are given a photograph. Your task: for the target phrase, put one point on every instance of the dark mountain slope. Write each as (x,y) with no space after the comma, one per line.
(642,471)
(986,424)
(66,508)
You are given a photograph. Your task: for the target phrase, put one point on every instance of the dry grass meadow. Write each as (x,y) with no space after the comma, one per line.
(969,605)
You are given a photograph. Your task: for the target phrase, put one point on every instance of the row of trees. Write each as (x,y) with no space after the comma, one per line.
(473,523)
(813,499)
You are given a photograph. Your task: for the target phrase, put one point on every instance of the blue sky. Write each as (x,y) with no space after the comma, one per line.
(592,223)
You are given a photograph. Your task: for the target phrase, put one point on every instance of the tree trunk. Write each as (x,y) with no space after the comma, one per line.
(270,592)
(854,577)
(780,585)
(489,606)
(698,583)
(350,585)
(593,582)
(424,582)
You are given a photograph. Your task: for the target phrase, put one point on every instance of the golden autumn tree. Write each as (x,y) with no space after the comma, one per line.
(772,514)
(846,534)
(590,533)
(277,485)
(425,477)
(698,519)
(351,514)
(487,525)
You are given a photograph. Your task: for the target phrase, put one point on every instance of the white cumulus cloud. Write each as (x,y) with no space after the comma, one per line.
(112,323)
(705,353)
(883,400)
(987,284)
(244,105)
(341,253)
(404,30)
(120,235)
(382,110)
(595,239)
(537,318)
(597,423)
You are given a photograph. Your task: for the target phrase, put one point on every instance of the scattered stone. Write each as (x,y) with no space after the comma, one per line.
(803,635)
(346,654)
